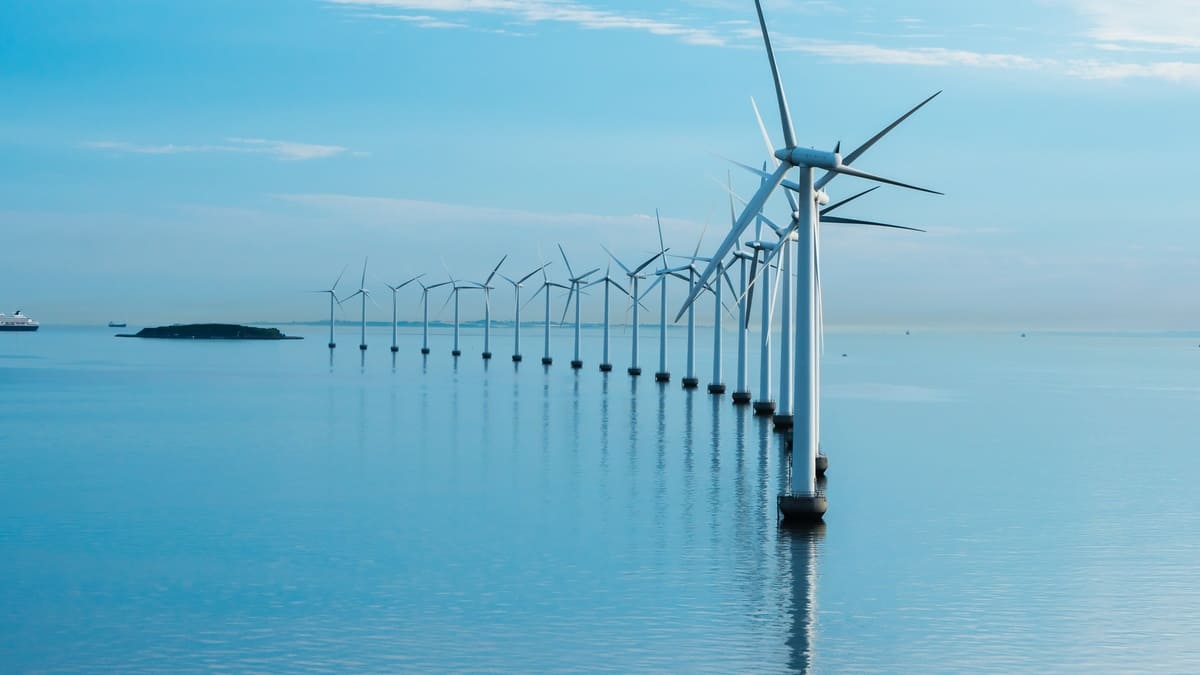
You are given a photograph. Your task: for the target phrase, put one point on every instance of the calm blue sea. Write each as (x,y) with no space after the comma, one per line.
(997,504)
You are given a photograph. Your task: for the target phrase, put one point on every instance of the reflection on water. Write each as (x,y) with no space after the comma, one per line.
(340,527)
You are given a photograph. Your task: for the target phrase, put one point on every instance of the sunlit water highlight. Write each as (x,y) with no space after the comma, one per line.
(996,504)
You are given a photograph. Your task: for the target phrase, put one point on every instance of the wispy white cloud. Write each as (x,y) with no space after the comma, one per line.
(282,150)
(1153,24)
(539,11)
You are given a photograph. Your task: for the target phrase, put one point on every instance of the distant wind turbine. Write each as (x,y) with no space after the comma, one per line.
(487,309)
(517,284)
(575,291)
(332,291)
(608,281)
(634,275)
(364,293)
(394,289)
(545,288)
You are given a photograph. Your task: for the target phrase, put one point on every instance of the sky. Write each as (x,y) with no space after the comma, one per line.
(216,160)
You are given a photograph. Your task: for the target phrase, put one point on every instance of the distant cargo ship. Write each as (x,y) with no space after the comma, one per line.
(116,324)
(17,322)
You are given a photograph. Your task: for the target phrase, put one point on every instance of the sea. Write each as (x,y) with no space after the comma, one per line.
(997,503)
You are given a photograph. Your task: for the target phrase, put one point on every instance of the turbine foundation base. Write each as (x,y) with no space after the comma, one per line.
(332,345)
(362,348)
(764,408)
(546,360)
(783,422)
(456,352)
(425,351)
(662,377)
(691,382)
(606,367)
(741,398)
(822,464)
(576,364)
(801,509)
(716,388)
(634,371)
(516,358)
(487,355)
(395,349)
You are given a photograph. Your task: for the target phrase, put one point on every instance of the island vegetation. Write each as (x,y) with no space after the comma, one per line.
(211,331)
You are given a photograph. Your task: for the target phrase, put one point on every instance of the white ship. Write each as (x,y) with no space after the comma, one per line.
(17,322)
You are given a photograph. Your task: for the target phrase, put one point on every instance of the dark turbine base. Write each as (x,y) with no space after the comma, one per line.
(546,360)
(634,371)
(764,408)
(606,367)
(487,355)
(576,364)
(456,352)
(783,422)
(716,388)
(395,349)
(800,509)
(363,347)
(425,350)
(691,382)
(332,345)
(822,464)
(516,358)
(741,397)
(662,377)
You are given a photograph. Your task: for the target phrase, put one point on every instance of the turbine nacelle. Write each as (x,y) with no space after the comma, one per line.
(811,157)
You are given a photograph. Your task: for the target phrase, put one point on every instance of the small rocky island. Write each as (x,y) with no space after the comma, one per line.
(211,331)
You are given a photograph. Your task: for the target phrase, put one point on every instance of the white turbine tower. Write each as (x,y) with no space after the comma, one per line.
(332,291)
(634,275)
(425,313)
(458,285)
(608,281)
(517,284)
(663,375)
(575,291)
(802,501)
(394,289)
(487,309)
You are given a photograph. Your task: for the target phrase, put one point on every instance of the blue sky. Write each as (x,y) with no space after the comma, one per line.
(211,160)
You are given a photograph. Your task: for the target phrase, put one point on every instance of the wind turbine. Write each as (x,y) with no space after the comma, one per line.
(517,284)
(454,290)
(802,502)
(663,375)
(394,289)
(634,275)
(425,313)
(545,287)
(487,309)
(608,281)
(362,291)
(575,292)
(332,291)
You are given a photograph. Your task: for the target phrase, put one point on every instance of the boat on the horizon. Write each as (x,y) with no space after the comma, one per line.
(116,324)
(17,322)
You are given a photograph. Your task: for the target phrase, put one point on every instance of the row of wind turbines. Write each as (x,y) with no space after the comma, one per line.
(790,253)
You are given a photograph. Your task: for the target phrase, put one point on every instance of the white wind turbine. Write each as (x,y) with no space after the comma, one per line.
(425,313)
(575,291)
(517,284)
(608,281)
(634,275)
(394,289)
(690,381)
(802,502)
(487,309)
(663,375)
(332,291)
(364,293)
(457,285)
(545,288)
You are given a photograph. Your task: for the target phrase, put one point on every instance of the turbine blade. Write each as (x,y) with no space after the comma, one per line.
(766,137)
(494,270)
(650,260)
(657,281)
(847,200)
(849,159)
(856,221)
(785,117)
(750,287)
(878,179)
(567,307)
(526,277)
(570,272)
(662,248)
(411,280)
(363,283)
(339,277)
(751,210)
(617,260)
(587,274)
